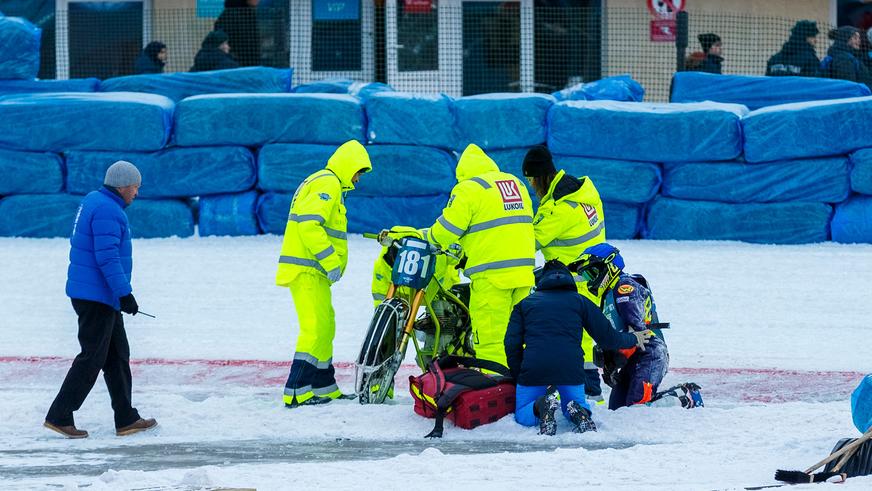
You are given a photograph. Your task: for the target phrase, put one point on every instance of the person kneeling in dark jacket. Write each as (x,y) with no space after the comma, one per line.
(544,354)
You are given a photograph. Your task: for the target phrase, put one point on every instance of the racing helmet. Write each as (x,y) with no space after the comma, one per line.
(599,266)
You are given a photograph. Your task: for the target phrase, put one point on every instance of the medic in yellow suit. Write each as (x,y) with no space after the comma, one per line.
(313,256)
(568,221)
(490,215)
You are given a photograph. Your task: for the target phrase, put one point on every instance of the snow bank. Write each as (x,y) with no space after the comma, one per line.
(30,172)
(411,119)
(814,180)
(228,214)
(180,85)
(171,173)
(57,122)
(646,131)
(852,221)
(494,121)
(774,223)
(257,119)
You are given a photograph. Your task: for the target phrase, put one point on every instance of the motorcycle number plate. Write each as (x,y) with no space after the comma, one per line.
(414,265)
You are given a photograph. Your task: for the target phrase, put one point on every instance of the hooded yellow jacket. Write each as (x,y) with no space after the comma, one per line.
(315,236)
(490,215)
(569,219)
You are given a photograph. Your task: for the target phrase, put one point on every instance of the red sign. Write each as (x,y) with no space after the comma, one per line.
(663,30)
(417,6)
(665,9)
(511,195)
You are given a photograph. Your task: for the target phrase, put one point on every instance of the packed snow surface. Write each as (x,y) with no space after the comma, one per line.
(777,336)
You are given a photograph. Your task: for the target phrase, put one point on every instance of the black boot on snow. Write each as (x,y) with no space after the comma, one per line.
(580,417)
(545,409)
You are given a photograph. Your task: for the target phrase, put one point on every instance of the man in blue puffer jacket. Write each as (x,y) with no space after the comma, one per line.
(544,353)
(98,284)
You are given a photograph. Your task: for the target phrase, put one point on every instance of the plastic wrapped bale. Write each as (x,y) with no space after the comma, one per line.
(861,404)
(768,223)
(861,173)
(811,180)
(178,86)
(343,86)
(19,48)
(623,220)
(398,170)
(852,221)
(756,91)
(646,131)
(411,119)
(371,213)
(258,119)
(616,88)
(620,181)
(808,129)
(170,173)
(36,86)
(272,212)
(228,214)
(151,218)
(496,121)
(30,172)
(56,122)
(38,215)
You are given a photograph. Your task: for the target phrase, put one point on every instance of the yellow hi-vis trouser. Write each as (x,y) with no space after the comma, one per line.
(312,371)
(489,309)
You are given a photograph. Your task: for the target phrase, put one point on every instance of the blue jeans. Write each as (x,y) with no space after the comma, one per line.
(525,398)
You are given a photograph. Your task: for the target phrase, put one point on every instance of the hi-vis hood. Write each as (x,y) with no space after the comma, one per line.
(474,162)
(349,158)
(570,188)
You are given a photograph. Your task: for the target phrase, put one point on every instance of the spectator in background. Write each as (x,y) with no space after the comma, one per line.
(843,58)
(797,56)
(214,54)
(866,48)
(152,59)
(239,21)
(711,47)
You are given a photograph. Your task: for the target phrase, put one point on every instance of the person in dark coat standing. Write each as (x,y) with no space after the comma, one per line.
(711,47)
(213,54)
(843,58)
(544,353)
(797,56)
(239,21)
(152,59)
(98,284)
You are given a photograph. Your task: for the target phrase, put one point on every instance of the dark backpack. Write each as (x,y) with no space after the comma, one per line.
(859,464)
(451,388)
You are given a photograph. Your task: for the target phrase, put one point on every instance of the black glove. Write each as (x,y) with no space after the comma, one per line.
(613,362)
(129,305)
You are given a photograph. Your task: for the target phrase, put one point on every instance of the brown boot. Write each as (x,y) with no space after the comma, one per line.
(68,431)
(136,427)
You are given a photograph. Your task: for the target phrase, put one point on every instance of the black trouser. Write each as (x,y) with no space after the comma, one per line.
(104,347)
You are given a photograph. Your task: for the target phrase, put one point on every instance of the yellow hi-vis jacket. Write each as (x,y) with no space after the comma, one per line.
(315,236)
(569,219)
(490,215)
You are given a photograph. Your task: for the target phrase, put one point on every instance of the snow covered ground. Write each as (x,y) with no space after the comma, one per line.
(777,335)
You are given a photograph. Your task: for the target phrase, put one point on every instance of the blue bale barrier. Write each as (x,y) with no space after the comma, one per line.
(756,92)
(861,404)
(19,48)
(178,86)
(861,174)
(365,213)
(343,86)
(497,121)
(58,122)
(808,129)
(812,180)
(228,214)
(398,170)
(619,181)
(170,173)
(411,119)
(644,131)
(852,221)
(37,86)
(151,218)
(769,223)
(38,215)
(30,172)
(616,88)
(257,119)
(623,220)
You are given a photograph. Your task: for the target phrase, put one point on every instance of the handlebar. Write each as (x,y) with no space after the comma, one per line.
(436,248)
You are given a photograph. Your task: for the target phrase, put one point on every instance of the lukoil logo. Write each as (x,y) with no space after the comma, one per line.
(511,195)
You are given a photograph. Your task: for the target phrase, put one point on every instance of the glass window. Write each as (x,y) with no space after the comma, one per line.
(336,35)
(417,35)
(104,38)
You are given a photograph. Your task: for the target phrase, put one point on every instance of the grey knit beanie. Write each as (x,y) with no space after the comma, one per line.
(121,174)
